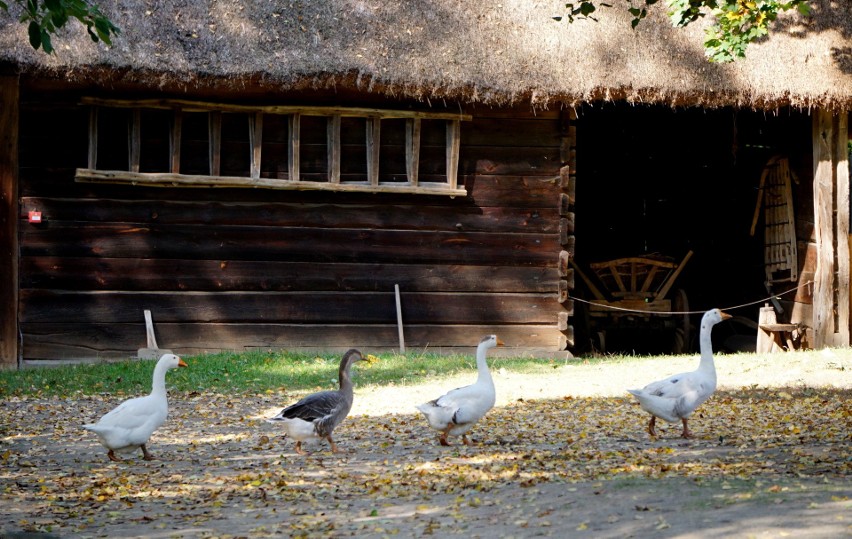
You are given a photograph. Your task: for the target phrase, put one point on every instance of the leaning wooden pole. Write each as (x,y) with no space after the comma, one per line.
(9,118)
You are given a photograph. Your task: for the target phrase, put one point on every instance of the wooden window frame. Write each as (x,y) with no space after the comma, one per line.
(333,115)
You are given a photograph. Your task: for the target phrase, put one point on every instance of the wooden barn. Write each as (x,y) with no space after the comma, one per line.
(319,175)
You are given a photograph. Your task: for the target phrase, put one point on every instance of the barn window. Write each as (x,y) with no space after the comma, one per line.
(177,143)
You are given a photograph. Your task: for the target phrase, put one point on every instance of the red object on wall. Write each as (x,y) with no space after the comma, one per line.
(34,216)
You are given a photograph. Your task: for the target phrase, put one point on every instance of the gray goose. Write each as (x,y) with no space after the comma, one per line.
(316,416)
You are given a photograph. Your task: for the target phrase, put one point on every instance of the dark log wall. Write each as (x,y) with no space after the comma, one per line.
(240,269)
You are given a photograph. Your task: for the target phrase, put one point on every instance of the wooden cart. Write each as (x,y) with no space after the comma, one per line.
(632,291)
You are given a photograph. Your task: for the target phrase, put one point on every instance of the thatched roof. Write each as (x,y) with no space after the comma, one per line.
(498,52)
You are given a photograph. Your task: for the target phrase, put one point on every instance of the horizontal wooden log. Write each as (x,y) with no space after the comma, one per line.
(198,106)
(87,342)
(456,217)
(287,244)
(510,161)
(141,274)
(161,179)
(44,306)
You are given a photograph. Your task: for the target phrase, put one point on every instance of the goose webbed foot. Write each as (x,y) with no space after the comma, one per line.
(299,449)
(113,457)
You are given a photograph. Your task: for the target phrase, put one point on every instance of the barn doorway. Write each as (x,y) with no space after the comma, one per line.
(662,182)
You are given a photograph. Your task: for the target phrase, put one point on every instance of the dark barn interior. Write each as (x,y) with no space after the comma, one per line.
(667,181)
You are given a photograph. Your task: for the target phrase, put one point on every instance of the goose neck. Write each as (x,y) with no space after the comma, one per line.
(482,363)
(158,386)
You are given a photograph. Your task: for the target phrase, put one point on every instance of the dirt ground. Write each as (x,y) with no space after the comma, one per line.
(562,455)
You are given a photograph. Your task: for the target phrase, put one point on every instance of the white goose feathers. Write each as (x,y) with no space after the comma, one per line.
(676,397)
(456,412)
(129,425)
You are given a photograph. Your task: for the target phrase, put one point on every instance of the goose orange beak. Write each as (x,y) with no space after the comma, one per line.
(500,343)
(181,363)
(726,316)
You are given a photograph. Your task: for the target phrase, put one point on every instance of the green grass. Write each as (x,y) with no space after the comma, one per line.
(250,372)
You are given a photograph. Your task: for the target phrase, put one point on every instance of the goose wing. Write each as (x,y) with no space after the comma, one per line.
(313,407)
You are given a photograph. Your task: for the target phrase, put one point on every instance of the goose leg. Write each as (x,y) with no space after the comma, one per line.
(299,449)
(444,434)
(113,457)
(686,432)
(145,454)
(651,424)
(465,441)
(334,448)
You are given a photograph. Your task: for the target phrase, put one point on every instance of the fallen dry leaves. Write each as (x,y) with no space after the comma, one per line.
(540,467)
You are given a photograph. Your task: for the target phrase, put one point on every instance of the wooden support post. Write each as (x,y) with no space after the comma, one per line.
(174,141)
(256,142)
(93,137)
(333,143)
(135,140)
(373,146)
(294,147)
(9,126)
(453,145)
(831,212)
(765,338)
(215,142)
(412,149)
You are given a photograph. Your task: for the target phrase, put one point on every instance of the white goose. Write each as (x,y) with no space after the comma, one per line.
(456,412)
(129,425)
(676,397)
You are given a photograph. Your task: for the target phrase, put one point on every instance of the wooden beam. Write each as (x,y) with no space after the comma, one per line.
(374,135)
(174,142)
(841,231)
(135,140)
(831,228)
(255,142)
(333,143)
(215,142)
(412,149)
(93,137)
(200,106)
(294,123)
(158,179)
(9,127)
(453,145)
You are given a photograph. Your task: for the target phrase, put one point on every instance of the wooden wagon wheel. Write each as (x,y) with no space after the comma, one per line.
(682,333)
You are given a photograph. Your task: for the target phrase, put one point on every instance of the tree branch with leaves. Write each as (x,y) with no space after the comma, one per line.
(45,17)
(737,23)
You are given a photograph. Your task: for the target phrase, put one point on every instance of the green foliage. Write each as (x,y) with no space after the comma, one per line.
(45,17)
(737,23)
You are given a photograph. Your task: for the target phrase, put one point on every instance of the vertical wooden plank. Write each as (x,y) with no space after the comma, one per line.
(412,149)
(373,146)
(823,297)
(9,122)
(215,142)
(93,137)
(135,140)
(453,144)
(333,143)
(174,141)
(294,147)
(256,142)
(841,231)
